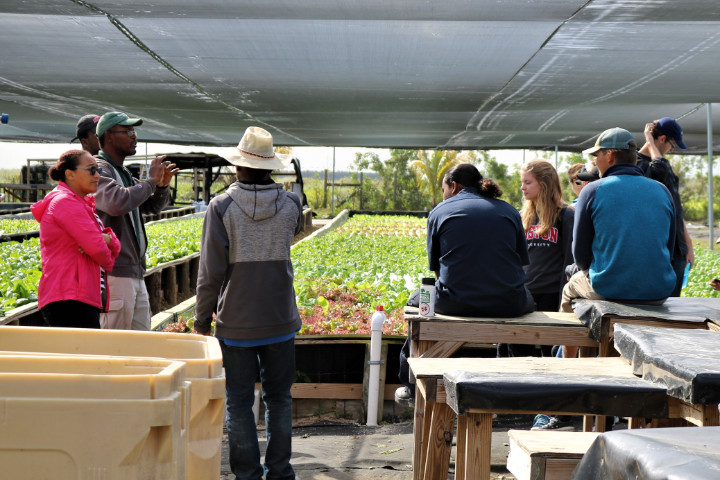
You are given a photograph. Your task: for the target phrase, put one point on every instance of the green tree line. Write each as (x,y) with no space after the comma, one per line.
(410,180)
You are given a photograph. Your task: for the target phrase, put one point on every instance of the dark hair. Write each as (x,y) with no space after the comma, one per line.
(468,176)
(253,175)
(68,161)
(625,155)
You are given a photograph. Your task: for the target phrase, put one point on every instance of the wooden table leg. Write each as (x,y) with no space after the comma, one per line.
(419,433)
(478,436)
(635,423)
(600,423)
(604,349)
(587,352)
(439,442)
(700,415)
(461,447)
(711,416)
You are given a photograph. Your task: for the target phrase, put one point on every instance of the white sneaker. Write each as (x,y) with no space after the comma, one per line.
(404,397)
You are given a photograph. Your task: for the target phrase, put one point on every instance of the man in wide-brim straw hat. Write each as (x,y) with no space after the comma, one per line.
(246,279)
(255,150)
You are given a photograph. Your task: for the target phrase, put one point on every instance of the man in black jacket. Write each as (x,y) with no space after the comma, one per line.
(661,138)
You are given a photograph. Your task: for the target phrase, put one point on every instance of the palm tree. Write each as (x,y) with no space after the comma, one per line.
(430,169)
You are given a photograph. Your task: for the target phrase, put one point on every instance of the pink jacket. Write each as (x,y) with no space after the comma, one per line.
(67,224)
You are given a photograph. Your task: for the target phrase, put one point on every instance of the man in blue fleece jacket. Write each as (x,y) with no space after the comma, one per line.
(246,279)
(624,231)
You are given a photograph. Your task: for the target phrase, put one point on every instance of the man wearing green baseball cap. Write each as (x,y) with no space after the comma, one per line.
(120,201)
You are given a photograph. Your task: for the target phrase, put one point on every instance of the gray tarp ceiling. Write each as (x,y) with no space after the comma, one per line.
(384,73)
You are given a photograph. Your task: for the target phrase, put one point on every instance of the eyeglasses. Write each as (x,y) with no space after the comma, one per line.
(130,133)
(578,182)
(92,169)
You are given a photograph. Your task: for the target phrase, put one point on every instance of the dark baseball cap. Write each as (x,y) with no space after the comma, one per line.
(85,125)
(668,126)
(588,175)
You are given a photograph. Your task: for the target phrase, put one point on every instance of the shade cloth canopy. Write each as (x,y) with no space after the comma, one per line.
(466,74)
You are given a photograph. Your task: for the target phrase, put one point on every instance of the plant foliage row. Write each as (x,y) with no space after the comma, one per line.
(21,268)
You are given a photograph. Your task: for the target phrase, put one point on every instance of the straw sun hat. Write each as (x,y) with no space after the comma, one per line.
(255,150)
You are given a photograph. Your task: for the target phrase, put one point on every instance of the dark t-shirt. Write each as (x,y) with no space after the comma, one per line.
(478,246)
(550,254)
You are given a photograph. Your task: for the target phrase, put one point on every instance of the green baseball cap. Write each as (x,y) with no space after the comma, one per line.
(613,138)
(110,119)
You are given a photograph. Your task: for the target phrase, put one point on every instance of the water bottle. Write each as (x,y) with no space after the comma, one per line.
(686,275)
(427,297)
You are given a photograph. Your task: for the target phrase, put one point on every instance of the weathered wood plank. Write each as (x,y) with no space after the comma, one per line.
(546,455)
(506,333)
(435,367)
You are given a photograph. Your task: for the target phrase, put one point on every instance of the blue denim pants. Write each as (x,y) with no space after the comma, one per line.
(276,365)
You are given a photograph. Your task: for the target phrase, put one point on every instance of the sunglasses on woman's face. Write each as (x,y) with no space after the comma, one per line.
(92,169)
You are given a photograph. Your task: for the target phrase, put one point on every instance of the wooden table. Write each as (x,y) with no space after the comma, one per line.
(442,335)
(686,362)
(652,454)
(582,386)
(601,316)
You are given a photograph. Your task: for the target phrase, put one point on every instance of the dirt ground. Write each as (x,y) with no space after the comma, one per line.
(328,448)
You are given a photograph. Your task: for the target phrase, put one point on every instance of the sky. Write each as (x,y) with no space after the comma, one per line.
(14,155)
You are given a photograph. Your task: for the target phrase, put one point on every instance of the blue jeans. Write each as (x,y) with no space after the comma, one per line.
(276,365)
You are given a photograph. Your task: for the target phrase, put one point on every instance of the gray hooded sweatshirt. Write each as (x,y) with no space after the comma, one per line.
(245,272)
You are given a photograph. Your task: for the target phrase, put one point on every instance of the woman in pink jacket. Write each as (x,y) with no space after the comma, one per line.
(75,247)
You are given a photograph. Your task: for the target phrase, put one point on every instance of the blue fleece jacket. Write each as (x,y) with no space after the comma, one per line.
(624,234)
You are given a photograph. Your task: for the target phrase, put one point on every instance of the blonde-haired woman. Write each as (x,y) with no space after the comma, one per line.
(548,225)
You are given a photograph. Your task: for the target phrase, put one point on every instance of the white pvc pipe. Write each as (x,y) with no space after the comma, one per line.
(378,319)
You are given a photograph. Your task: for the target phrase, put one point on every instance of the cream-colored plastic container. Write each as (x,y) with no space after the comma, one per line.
(77,418)
(201,354)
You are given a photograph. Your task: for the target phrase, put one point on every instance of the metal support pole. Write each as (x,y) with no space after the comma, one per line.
(556,157)
(332,191)
(362,203)
(710,175)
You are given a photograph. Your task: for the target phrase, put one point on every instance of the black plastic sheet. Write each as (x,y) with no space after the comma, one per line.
(683,309)
(685,361)
(592,394)
(653,454)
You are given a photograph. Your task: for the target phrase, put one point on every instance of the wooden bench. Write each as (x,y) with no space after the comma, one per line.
(686,362)
(686,452)
(546,455)
(441,336)
(472,390)
(601,316)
